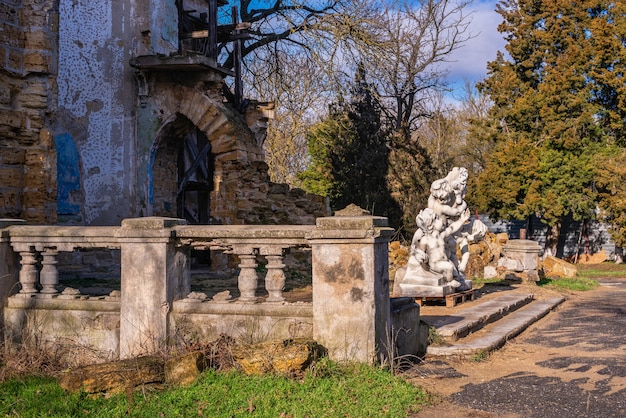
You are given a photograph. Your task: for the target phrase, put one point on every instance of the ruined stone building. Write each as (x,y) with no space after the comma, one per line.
(106,113)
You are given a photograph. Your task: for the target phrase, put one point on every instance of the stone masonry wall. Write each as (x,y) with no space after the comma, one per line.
(252,199)
(28,33)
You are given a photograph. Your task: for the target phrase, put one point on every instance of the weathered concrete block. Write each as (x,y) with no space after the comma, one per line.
(12,176)
(406,336)
(283,357)
(555,267)
(525,251)
(88,329)
(155,272)
(12,155)
(114,377)
(490,272)
(351,287)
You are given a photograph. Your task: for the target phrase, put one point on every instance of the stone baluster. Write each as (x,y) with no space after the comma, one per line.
(275,277)
(248,278)
(49,275)
(29,274)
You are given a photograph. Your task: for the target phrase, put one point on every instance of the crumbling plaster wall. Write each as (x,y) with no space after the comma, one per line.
(96,95)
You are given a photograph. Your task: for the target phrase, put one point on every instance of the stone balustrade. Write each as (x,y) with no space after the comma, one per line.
(247,242)
(350,313)
(40,245)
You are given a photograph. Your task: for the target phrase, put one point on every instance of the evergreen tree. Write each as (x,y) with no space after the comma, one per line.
(611,181)
(350,154)
(558,101)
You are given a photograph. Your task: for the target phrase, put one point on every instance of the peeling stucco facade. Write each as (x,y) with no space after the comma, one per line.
(95,44)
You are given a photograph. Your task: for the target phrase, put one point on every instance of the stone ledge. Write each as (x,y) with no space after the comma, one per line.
(523,245)
(54,303)
(351,222)
(244,231)
(343,235)
(152,222)
(299,309)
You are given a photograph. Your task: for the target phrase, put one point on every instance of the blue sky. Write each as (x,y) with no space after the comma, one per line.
(470,61)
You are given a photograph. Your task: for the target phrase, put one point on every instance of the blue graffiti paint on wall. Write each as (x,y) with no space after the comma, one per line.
(68,175)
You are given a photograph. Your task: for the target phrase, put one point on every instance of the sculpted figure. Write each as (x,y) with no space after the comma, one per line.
(433,268)
(444,200)
(457,178)
(432,243)
(447,198)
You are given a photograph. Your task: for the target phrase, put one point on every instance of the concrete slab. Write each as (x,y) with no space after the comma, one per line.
(497,334)
(471,319)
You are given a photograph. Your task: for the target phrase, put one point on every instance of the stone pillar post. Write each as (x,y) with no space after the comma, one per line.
(9,266)
(351,306)
(155,272)
(29,272)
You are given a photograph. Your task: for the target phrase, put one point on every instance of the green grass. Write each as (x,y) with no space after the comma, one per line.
(587,276)
(604,270)
(328,390)
(586,279)
(481,281)
(480,356)
(575,283)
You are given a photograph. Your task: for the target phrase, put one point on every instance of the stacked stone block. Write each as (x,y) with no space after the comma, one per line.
(27,102)
(246,196)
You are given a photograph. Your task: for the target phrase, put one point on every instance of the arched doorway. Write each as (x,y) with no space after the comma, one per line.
(182,173)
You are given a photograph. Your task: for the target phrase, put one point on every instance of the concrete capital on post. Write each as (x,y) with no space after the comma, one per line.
(155,272)
(351,305)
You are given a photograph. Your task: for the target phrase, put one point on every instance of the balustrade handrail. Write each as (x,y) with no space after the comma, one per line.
(63,238)
(348,270)
(71,237)
(248,241)
(39,245)
(289,235)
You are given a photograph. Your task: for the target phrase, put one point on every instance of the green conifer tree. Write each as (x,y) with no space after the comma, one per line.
(558,101)
(349,153)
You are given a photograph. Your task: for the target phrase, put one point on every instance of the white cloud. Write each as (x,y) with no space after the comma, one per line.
(469,62)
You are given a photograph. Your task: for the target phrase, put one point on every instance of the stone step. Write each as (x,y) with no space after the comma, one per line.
(497,334)
(469,320)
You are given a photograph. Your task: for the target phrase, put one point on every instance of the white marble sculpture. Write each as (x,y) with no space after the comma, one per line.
(433,268)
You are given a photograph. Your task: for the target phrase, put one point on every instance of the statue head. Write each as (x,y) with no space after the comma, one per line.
(463,174)
(428,220)
(457,178)
(442,191)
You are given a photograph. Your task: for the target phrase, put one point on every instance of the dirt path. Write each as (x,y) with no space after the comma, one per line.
(571,362)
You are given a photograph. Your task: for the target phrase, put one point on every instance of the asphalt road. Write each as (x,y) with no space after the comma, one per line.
(570,364)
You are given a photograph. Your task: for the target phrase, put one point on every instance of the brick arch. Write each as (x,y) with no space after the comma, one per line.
(231,139)
(235,152)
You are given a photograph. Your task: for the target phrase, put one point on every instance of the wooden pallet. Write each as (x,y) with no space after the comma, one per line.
(451,300)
